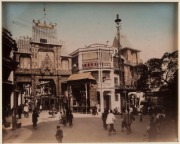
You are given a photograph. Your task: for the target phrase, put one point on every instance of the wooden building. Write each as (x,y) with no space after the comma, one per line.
(9,65)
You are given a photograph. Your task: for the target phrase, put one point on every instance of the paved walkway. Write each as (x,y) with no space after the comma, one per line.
(20,134)
(86,128)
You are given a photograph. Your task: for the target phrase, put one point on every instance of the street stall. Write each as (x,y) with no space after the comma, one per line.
(82,94)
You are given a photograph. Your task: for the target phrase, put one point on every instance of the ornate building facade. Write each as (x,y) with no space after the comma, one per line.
(41,61)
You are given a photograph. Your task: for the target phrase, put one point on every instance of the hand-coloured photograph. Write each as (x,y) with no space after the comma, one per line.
(89,72)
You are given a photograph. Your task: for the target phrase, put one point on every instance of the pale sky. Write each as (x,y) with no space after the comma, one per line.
(149,27)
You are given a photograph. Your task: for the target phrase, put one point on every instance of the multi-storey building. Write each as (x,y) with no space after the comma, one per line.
(9,90)
(41,60)
(102,61)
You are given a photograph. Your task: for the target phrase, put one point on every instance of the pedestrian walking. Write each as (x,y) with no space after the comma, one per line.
(140,116)
(124,122)
(104,117)
(60,118)
(98,108)
(153,131)
(129,117)
(40,107)
(20,111)
(110,121)
(94,111)
(26,111)
(64,120)
(70,118)
(35,118)
(59,134)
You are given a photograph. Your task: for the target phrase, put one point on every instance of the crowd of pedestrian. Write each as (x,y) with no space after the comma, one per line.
(19,111)
(157,124)
(156,130)
(160,127)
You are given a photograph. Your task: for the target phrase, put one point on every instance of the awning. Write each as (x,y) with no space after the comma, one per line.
(81,76)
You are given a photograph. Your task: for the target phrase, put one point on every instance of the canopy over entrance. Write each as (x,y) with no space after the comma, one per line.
(81,76)
(82,87)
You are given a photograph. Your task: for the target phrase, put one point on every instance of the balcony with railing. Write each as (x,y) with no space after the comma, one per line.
(125,87)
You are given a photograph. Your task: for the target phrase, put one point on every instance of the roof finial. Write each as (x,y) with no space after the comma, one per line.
(44,9)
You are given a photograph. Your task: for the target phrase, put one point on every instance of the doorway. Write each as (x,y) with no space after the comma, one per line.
(107,102)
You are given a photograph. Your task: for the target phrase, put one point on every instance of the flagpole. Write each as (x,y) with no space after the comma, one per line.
(44,9)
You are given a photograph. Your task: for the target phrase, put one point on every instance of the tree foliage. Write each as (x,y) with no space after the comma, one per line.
(158,72)
(170,66)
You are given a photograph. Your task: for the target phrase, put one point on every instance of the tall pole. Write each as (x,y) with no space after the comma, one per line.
(117,21)
(14,121)
(119,46)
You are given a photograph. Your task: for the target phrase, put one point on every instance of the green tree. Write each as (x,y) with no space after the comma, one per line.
(170,66)
(157,72)
(142,82)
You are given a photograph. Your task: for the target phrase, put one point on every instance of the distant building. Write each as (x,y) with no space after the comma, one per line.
(102,61)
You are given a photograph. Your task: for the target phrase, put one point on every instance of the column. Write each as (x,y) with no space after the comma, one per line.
(112,100)
(101,100)
(99,77)
(86,97)
(12,100)
(112,78)
(70,64)
(59,86)
(119,98)
(33,86)
(55,58)
(19,98)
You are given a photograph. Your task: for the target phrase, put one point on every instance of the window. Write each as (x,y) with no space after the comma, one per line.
(116,97)
(65,65)
(116,81)
(43,40)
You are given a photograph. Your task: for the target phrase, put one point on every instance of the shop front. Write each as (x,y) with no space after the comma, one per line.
(82,92)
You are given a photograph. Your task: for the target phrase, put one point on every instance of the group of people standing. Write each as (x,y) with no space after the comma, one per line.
(109,118)
(66,117)
(157,126)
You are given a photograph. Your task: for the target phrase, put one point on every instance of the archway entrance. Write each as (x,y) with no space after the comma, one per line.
(46,94)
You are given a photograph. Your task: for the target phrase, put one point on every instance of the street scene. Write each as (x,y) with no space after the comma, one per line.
(89,72)
(86,128)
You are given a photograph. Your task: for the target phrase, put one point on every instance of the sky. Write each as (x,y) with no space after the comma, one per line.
(148,27)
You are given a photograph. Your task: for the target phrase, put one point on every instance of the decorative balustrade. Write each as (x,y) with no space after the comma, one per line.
(38,72)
